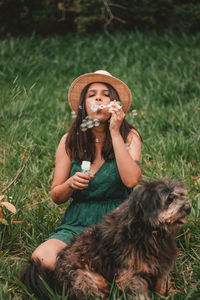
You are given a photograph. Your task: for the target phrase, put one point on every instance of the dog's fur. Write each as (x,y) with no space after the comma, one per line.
(134,246)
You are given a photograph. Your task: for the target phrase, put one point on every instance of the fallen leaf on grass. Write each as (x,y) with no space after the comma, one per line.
(3,221)
(9,206)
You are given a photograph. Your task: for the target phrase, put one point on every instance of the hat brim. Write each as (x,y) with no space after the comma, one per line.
(79,83)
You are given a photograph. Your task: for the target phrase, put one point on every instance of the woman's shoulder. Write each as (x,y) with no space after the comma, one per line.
(63,138)
(133,135)
(61,146)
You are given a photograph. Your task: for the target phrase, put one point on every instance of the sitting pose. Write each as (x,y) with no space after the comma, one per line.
(111,147)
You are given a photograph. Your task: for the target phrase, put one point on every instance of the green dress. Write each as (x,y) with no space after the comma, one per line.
(104,193)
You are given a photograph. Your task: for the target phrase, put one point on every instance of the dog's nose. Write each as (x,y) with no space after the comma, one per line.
(187,208)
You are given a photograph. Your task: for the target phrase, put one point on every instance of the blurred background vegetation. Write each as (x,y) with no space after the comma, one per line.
(153,46)
(22,17)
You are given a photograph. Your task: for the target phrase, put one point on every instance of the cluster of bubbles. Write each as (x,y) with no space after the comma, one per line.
(88,123)
(73,114)
(113,104)
(94,107)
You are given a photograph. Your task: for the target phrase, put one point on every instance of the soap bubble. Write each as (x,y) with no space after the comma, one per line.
(134,112)
(89,124)
(73,114)
(93,106)
(83,126)
(96,122)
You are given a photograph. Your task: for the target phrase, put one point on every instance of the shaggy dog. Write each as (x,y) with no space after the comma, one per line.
(134,246)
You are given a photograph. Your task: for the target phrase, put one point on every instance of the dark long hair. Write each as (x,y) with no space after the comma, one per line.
(81,145)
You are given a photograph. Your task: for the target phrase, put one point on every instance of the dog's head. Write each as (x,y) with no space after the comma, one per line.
(161,202)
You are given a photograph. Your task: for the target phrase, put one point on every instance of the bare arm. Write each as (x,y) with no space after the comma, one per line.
(64,185)
(127,158)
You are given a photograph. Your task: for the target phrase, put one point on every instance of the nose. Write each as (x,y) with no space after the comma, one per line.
(98,98)
(187,208)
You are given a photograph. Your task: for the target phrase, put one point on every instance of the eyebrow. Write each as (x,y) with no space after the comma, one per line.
(106,90)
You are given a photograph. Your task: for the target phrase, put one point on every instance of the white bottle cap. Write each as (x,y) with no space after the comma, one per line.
(85,166)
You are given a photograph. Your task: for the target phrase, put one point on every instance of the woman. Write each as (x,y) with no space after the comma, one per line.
(113,148)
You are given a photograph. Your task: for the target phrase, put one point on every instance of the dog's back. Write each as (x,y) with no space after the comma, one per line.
(133,246)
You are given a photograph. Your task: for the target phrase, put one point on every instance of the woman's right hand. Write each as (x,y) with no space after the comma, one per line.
(79,181)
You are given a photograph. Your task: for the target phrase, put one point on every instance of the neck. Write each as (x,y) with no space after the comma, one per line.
(99,132)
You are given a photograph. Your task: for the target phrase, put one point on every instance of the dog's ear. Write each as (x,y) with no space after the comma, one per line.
(149,198)
(146,201)
(156,195)
(150,203)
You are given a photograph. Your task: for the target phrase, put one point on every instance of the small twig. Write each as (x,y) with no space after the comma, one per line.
(108,9)
(111,16)
(117,5)
(20,171)
(63,17)
(120,20)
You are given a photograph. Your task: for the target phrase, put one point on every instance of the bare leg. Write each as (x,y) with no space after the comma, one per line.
(47,253)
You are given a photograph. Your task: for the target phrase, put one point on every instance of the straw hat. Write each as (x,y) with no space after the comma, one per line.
(99,76)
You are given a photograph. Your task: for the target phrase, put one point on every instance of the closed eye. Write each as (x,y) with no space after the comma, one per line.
(92,95)
(107,95)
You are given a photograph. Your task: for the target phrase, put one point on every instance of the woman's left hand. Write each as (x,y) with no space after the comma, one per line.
(117,116)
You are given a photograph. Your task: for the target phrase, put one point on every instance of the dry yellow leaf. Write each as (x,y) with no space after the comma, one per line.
(3,221)
(9,206)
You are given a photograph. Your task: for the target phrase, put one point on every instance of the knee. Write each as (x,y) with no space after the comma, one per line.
(47,252)
(46,257)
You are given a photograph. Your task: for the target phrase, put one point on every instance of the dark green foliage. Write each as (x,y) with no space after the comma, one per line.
(62,16)
(187,16)
(26,16)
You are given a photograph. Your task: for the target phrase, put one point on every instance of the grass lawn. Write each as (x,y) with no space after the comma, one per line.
(163,73)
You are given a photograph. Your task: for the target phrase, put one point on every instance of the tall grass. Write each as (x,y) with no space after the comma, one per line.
(163,73)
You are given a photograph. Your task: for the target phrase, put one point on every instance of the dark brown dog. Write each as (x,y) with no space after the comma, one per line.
(133,246)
